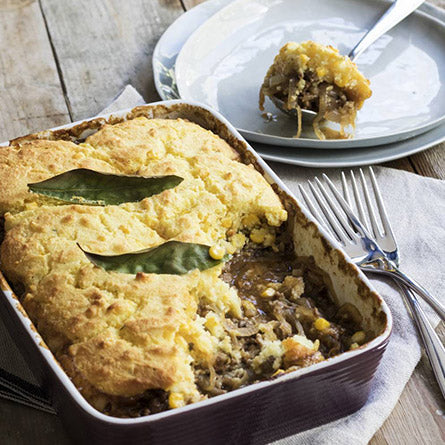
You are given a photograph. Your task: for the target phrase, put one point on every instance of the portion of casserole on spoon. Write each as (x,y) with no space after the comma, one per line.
(310,76)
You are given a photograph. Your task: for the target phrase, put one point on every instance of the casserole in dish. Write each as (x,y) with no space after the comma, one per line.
(76,335)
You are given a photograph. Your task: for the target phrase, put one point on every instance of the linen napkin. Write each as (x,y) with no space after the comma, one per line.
(416,207)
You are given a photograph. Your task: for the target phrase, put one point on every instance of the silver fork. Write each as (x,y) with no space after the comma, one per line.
(377,254)
(360,242)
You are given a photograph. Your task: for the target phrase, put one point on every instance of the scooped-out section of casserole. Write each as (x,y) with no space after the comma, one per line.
(315,77)
(140,343)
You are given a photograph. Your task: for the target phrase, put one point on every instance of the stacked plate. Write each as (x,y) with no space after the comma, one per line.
(218,53)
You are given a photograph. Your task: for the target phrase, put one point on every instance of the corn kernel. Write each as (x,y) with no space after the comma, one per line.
(268,292)
(217,252)
(321,71)
(321,324)
(257,236)
(31,205)
(354,346)
(359,337)
(304,58)
(213,325)
(226,222)
(124,229)
(278,372)
(211,321)
(238,240)
(175,400)
(250,220)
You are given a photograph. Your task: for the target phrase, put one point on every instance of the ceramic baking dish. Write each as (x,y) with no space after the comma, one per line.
(258,413)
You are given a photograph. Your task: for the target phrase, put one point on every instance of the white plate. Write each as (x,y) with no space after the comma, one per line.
(164,58)
(223,63)
(172,41)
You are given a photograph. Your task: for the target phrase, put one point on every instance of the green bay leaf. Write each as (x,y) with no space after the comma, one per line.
(84,186)
(172,257)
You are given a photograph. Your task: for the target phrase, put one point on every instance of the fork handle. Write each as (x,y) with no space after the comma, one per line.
(401,277)
(434,348)
(393,15)
(416,287)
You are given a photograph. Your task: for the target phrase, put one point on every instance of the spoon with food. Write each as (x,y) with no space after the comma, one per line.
(315,83)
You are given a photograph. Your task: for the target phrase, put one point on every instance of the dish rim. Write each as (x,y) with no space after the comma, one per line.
(271,177)
(269,139)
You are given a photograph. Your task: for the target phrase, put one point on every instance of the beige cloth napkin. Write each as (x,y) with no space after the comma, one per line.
(416,206)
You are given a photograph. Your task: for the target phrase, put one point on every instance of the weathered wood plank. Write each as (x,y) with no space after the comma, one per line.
(31,97)
(22,425)
(431,162)
(188,4)
(400,164)
(440,3)
(103,45)
(418,418)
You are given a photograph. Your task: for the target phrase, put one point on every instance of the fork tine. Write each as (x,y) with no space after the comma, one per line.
(378,197)
(358,201)
(357,224)
(315,213)
(372,217)
(335,226)
(345,188)
(337,212)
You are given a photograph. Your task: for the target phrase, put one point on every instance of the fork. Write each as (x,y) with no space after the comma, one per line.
(368,254)
(359,243)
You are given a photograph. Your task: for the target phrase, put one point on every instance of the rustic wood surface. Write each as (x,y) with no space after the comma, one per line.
(64,60)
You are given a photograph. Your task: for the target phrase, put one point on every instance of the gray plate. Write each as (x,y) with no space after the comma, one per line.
(164,59)
(225,69)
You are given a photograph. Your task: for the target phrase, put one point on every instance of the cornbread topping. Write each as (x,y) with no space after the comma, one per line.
(136,344)
(316,77)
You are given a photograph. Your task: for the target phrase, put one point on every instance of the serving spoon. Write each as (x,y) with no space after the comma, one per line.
(392,16)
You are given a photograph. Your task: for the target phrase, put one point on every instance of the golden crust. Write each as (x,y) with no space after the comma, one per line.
(115,333)
(36,161)
(138,146)
(140,141)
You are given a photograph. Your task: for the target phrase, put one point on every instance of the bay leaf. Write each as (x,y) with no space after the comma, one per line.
(84,186)
(172,257)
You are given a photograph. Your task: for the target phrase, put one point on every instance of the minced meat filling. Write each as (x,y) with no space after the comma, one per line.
(150,402)
(305,91)
(282,297)
(309,94)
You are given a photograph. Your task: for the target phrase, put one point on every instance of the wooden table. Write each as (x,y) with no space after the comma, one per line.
(65,60)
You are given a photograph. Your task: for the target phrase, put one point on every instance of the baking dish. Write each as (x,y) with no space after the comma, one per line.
(255,414)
